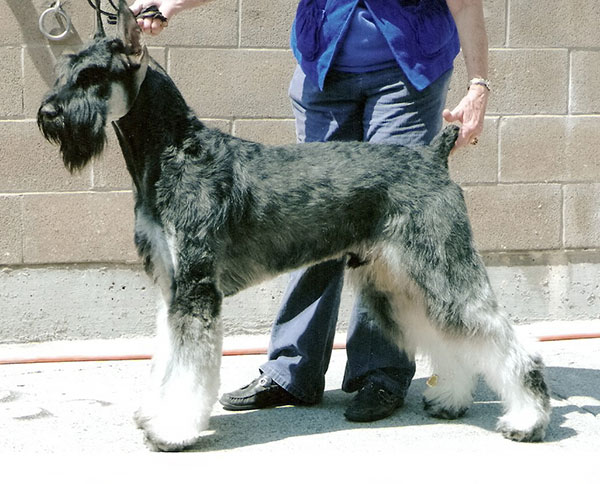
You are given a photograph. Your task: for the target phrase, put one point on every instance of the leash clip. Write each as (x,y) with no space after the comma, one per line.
(58,12)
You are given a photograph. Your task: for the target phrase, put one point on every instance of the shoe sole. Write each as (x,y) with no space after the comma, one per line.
(364,418)
(234,408)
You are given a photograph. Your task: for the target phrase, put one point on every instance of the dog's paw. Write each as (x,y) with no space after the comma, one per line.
(437,410)
(522,431)
(168,434)
(446,401)
(174,443)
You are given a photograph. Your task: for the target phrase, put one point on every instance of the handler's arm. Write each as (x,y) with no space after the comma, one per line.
(168,8)
(468,16)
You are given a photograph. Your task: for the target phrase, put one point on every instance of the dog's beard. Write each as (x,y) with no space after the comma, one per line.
(79,130)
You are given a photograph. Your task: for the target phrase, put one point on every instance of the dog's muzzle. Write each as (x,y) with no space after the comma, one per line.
(48,112)
(50,121)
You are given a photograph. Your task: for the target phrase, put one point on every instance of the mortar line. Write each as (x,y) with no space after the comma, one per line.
(506,22)
(569,82)
(239,40)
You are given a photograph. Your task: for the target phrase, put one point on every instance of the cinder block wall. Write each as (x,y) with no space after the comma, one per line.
(532,184)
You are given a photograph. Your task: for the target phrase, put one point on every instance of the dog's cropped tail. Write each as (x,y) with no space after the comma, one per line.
(443,143)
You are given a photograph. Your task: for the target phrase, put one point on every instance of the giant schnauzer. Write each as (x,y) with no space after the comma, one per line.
(216,214)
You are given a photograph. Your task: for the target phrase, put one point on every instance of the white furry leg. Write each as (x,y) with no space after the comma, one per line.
(521,384)
(517,376)
(449,392)
(184,381)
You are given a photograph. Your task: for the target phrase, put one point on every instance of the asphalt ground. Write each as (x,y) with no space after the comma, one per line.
(55,417)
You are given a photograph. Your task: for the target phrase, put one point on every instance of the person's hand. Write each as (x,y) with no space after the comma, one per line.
(470,112)
(167,8)
(153,26)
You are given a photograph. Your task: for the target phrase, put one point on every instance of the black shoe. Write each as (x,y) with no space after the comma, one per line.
(372,402)
(260,393)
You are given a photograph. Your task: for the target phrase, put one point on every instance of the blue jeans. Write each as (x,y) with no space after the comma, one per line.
(378,107)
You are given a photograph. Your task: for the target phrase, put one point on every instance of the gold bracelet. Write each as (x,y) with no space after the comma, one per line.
(479,81)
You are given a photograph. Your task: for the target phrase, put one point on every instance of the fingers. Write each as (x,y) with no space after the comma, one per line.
(466,133)
(149,25)
(450,116)
(152,26)
(465,137)
(470,113)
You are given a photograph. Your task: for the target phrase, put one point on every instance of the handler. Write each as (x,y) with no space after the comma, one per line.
(368,70)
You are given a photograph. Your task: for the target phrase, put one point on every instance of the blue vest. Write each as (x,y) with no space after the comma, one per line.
(421,34)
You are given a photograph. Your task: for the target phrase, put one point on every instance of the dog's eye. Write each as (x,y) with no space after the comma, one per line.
(89,76)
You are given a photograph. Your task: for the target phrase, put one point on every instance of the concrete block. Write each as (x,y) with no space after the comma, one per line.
(265,23)
(39,75)
(159,54)
(582,215)
(65,303)
(220,124)
(515,217)
(550,149)
(78,227)
(11,80)
(523,81)
(458,83)
(478,164)
(529,81)
(547,286)
(553,23)
(21,22)
(239,83)
(494,13)
(29,163)
(11,235)
(585,82)
(274,132)
(103,302)
(109,169)
(97,302)
(11,10)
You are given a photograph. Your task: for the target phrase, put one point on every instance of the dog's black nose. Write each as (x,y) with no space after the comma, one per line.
(49,111)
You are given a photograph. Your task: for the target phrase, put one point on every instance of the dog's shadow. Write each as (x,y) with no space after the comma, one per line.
(231,430)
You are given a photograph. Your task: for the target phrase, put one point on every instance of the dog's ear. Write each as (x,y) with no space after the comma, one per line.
(128,30)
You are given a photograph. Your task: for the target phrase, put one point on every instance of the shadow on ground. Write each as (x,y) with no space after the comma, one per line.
(241,429)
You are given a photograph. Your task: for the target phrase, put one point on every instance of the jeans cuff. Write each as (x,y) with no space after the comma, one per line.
(295,390)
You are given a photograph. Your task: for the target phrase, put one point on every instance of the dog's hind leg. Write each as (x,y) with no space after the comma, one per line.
(481,340)
(462,324)
(186,363)
(462,302)
(516,374)
(476,338)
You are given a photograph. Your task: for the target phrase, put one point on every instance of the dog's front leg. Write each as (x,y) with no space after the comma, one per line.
(185,366)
